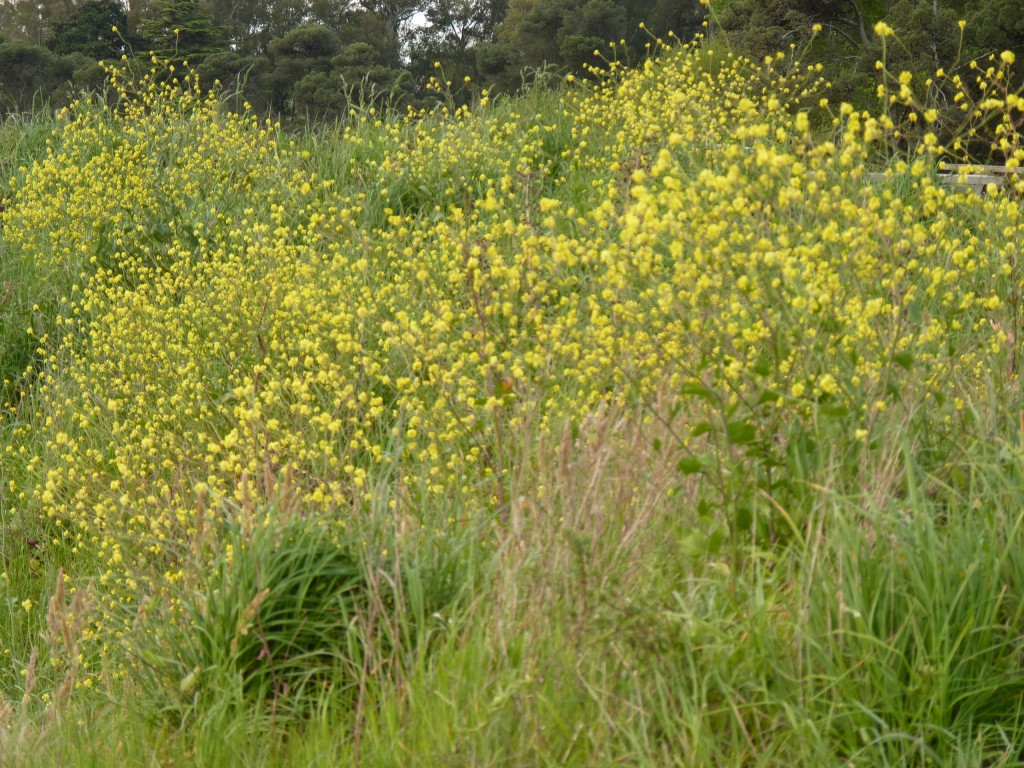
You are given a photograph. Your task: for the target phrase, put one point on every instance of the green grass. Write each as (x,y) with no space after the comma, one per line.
(890,636)
(21,141)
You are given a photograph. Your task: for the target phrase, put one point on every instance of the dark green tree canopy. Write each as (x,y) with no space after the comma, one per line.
(928,36)
(395,12)
(89,30)
(567,32)
(996,25)
(32,76)
(265,48)
(31,21)
(309,43)
(183,30)
(452,32)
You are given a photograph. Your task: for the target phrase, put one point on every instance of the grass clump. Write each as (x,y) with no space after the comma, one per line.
(272,619)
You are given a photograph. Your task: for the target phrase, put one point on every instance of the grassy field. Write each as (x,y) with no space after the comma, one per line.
(629,423)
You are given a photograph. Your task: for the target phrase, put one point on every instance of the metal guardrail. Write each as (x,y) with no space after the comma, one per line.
(973,177)
(977,177)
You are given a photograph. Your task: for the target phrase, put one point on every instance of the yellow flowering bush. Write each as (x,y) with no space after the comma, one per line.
(228,308)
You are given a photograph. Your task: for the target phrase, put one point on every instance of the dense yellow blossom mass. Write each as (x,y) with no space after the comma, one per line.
(221,311)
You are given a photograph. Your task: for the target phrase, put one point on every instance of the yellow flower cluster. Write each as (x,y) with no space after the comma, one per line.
(239,311)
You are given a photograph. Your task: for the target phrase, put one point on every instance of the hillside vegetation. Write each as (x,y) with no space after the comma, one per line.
(671,418)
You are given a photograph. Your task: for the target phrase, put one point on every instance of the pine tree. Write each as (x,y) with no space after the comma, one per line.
(183,30)
(89,30)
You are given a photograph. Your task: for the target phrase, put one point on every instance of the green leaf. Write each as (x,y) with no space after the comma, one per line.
(914,311)
(741,432)
(694,544)
(904,360)
(699,390)
(762,367)
(744,518)
(689,466)
(716,540)
(701,429)
(835,409)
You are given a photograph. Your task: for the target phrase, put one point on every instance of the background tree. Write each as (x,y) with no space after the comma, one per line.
(395,12)
(263,49)
(683,19)
(241,77)
(318,73)
(567,32)
(453,31)
(88,30)
(183,30)
(927,36)
(32,77)
(531,29)
(361,26)
(248,25)
(760,27)
(304,51)
(356,78)
(995,25)
(31,21)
